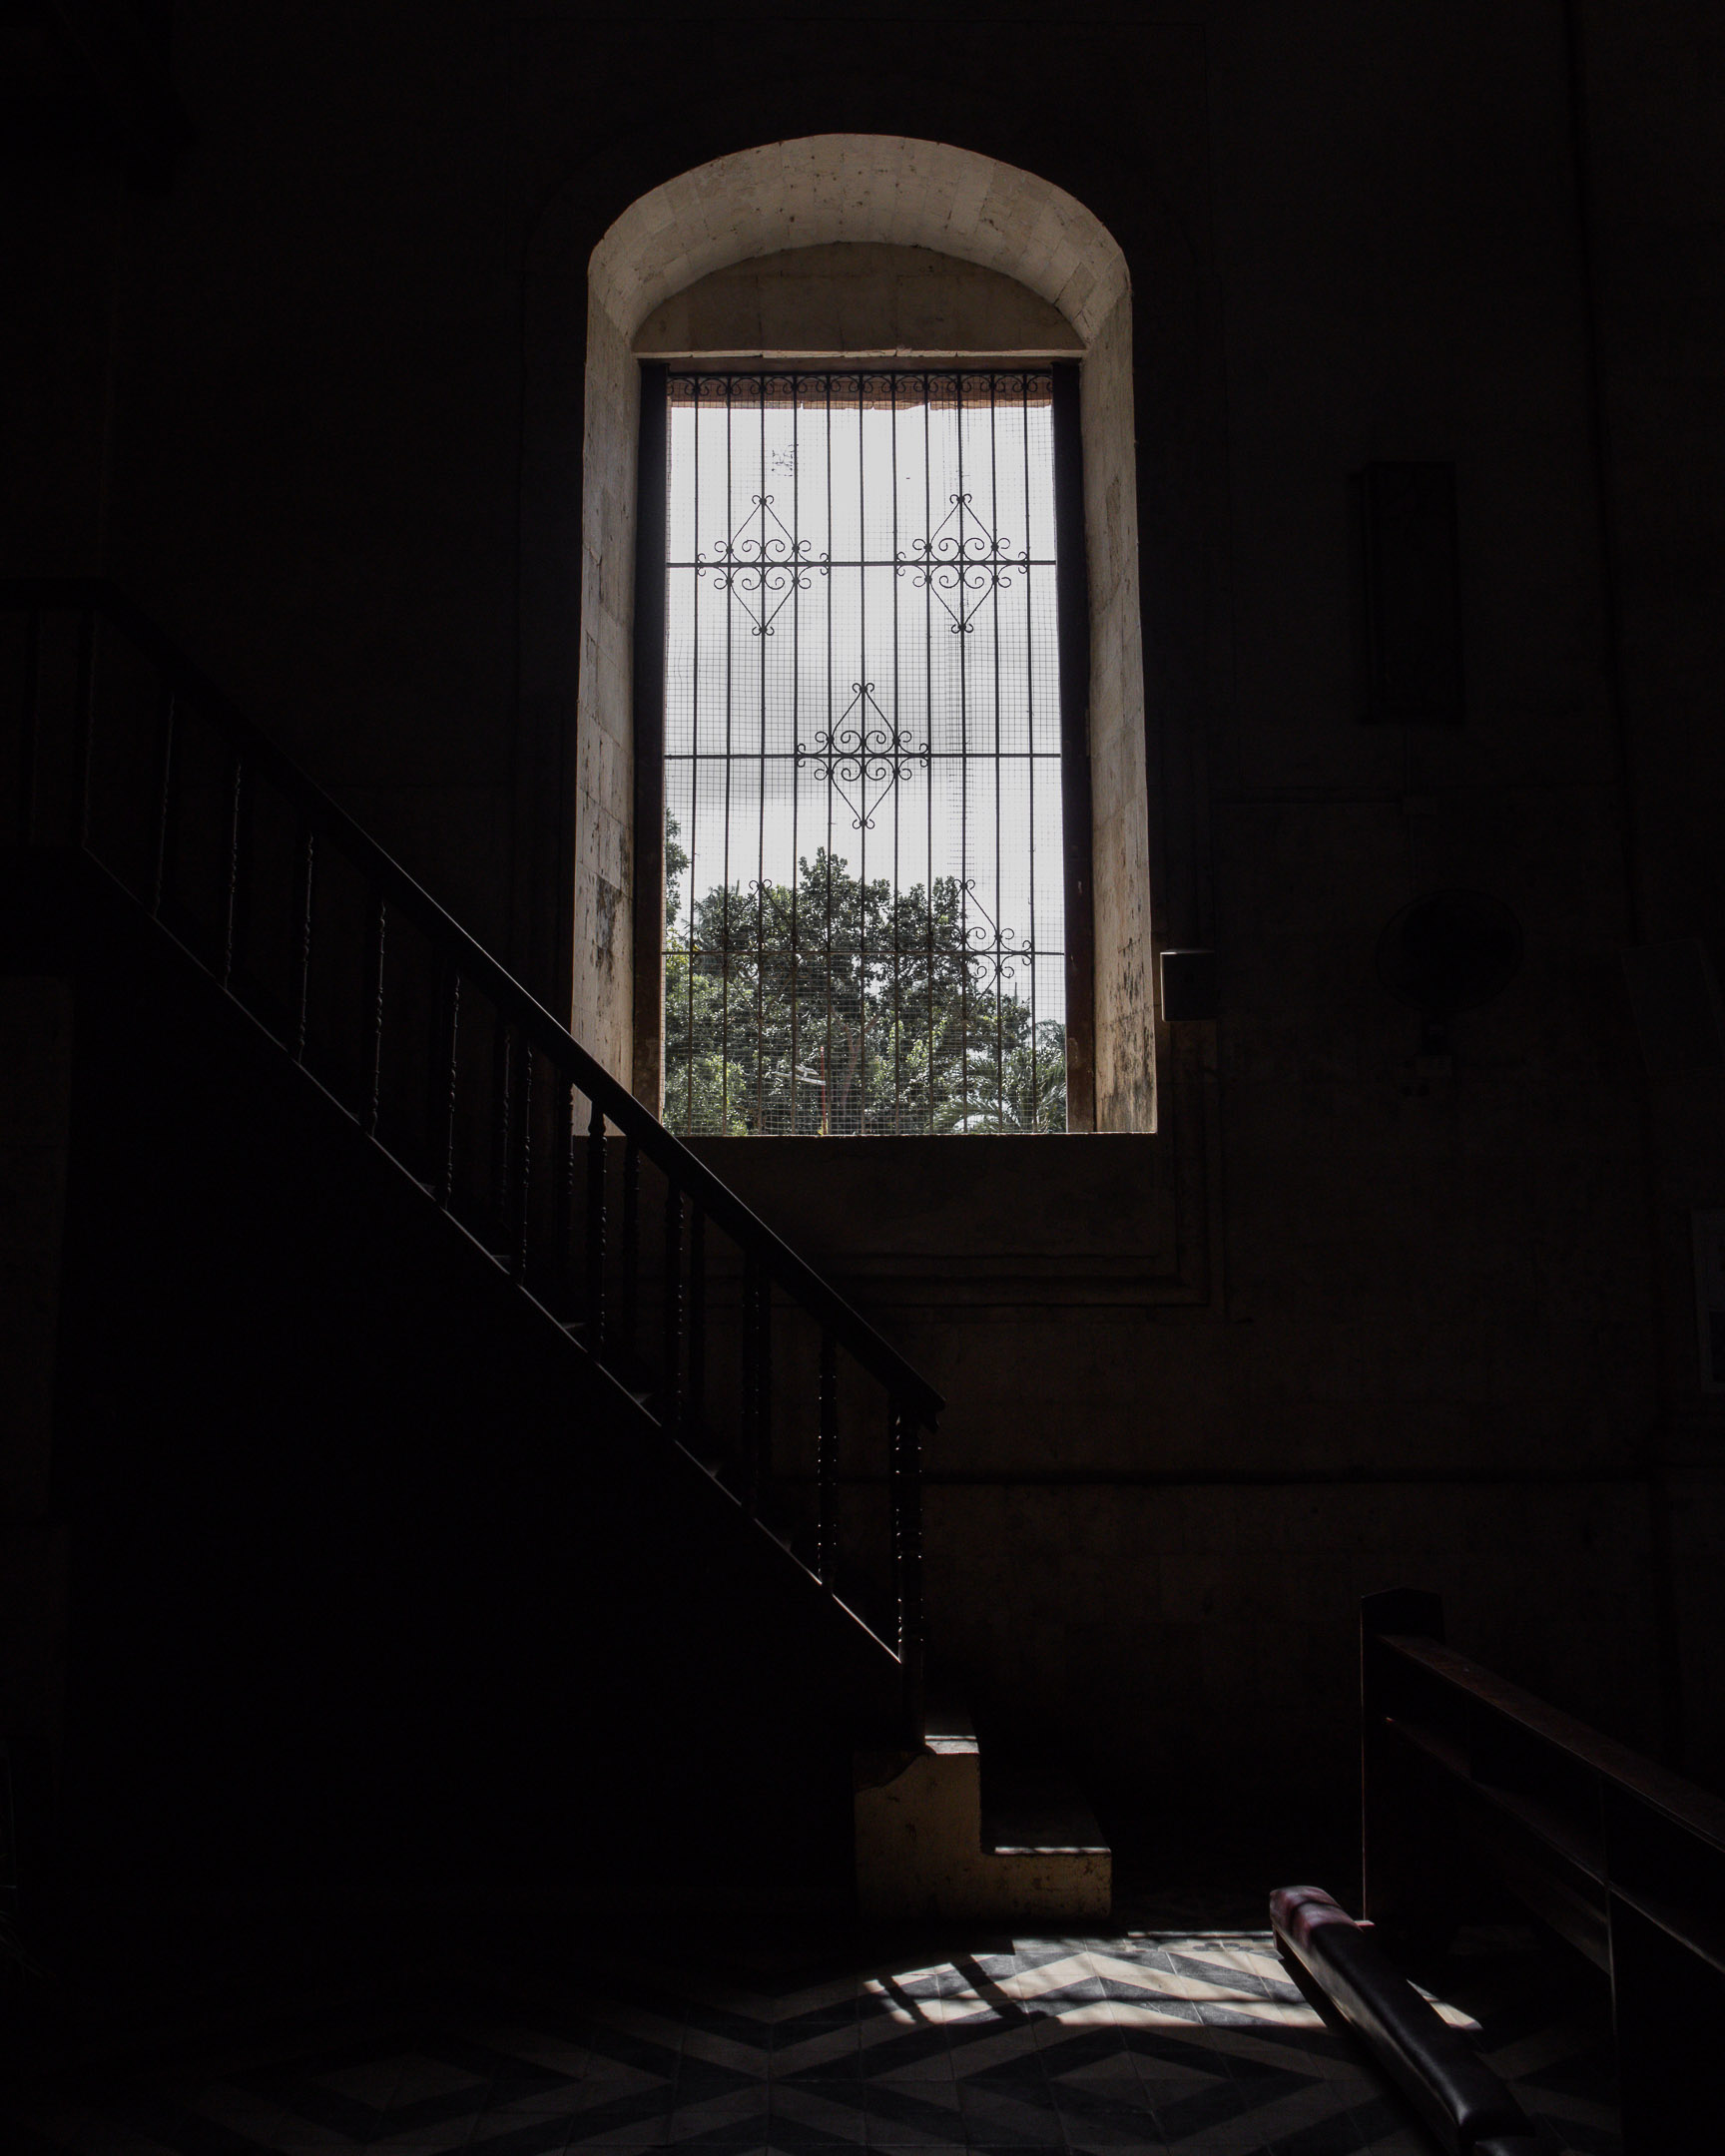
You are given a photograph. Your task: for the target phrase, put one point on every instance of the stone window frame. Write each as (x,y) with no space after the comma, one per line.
(891,191)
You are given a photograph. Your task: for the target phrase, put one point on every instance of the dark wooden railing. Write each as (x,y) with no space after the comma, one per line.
(1467,1779)
(739,1352)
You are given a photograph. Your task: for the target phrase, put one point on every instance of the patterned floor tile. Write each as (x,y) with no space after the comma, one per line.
(1177,2044)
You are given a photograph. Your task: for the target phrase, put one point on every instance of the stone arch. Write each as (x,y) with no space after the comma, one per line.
(829,190)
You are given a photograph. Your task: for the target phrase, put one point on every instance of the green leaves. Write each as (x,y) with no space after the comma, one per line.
(833,1007)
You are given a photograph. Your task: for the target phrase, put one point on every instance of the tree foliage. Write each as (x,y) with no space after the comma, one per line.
(832,1006)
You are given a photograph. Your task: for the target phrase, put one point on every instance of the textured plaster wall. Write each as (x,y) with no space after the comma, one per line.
(857,297)
(1368,1327)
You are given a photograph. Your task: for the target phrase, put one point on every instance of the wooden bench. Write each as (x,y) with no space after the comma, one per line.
(1467,1779)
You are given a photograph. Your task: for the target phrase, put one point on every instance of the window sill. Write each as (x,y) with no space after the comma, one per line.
(981,1219)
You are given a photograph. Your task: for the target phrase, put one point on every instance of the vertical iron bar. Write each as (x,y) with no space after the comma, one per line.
(964,876)
(236,795)
(1030,734)
(1000,757)
(730,683)
(631,1290)
(166,706)
(795,983)
(694,739)
(826,1129)
(904,1472)
(375,1014)
(929,698)
(447,1062)
(896,730)
(304,869)
(596,1231)
(30,741)
(671,1392)
(86,707)
(694,1399)
(864,688)
(826,1465)
(761,805)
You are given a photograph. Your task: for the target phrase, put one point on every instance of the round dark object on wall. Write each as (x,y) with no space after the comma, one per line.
(1449,953)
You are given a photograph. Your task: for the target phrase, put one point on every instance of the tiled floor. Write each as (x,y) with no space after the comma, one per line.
(1153,2041)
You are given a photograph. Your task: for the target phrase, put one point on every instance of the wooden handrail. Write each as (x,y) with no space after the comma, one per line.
(1465,1773)
(1680,1800)
(531,1050)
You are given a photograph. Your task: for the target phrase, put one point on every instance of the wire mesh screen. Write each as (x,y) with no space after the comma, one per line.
(865,904)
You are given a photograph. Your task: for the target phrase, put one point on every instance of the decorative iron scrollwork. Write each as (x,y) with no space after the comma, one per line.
(988,944)
(762,570)
(961,565)
(862,750)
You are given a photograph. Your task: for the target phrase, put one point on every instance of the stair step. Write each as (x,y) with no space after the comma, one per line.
(1036,1810)
(938,1837)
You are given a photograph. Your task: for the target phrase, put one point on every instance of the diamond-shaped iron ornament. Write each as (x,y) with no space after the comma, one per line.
(761,564)
(861,757)
(960,562)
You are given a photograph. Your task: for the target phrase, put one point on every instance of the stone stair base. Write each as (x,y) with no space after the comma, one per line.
(925,1851)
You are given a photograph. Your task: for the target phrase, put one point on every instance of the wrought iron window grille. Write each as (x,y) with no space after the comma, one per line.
(865,874)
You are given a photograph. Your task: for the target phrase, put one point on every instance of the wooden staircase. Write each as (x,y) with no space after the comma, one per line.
(153,817)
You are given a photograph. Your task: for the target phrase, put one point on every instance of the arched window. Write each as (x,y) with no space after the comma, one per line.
(913,969)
